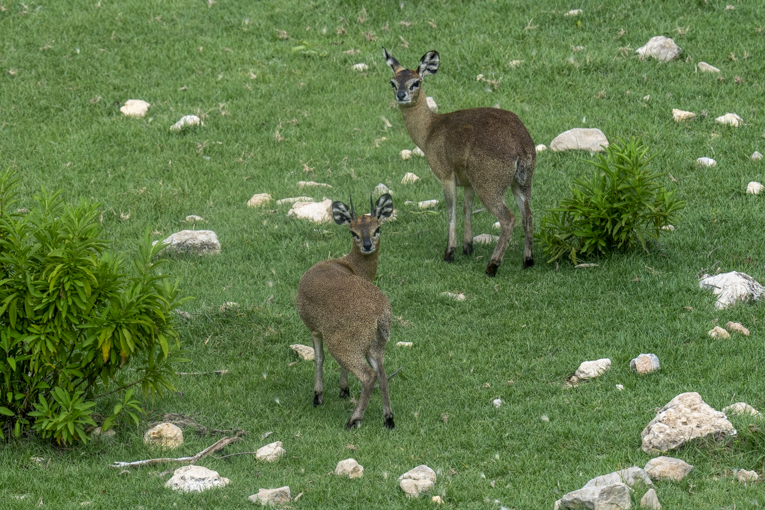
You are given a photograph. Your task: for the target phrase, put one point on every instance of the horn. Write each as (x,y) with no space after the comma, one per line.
(353,214)
(372,204)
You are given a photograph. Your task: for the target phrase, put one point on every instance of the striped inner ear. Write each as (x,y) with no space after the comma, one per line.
(341,214)
(429,63)
(384,207)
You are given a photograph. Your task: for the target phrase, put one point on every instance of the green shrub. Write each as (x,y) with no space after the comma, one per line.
(71,322)
(621,206)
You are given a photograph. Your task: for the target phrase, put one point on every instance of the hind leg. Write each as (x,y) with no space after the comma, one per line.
(318,354)
(345,392)
(495,203)
(367,377)
(467,211)
(523,199)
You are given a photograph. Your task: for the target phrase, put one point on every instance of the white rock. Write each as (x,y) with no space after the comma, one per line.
(432,104)
(647,98)
(754,188)
(135,108)
(98,433)
(668,228)
(496,402)
(427,204)
(417,480)
(730,119)
(406,154)
(349,468)
(361,67)
(732,287)
(667,468)
(437,500)
(381,189)
(186,121)
(304,351)
(631,476)
(585,139)
(650,500)
(200,242)
(610,497)
(620,387)
(195,479)
(718,332)
(706,68)
(409,178)
(271,452)
(165,435)
(756,156)
(585,265)
(497,225)
(259,199)
(292,200)
(404,344)
(266,497)
(457,297)
(574,12)
(193,218)
(684,418)
(645,364)
(312,184)
(485,239)
(228,305)
(741,408)
(736,327)
(592,369)
(743,476)
(661,48)
(681,115)
(418,152)
(706,162)
(541,148)
(318,212)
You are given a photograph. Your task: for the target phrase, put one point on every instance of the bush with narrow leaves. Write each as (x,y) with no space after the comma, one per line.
(621,206)
(72,322)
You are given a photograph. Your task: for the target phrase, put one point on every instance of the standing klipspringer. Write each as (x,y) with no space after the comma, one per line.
(341,307)
(484,150)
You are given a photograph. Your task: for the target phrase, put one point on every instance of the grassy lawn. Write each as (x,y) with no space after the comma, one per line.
(274,84)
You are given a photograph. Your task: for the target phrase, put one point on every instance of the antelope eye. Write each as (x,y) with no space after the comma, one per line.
(355,235)
(377,232)
(393,85)
(414,85)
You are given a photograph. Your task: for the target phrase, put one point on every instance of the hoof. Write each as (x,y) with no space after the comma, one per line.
(449,255)
(527,263)
(352,424)
(467,248)
(389,423)
(345,392)
(491,269)
(318,399)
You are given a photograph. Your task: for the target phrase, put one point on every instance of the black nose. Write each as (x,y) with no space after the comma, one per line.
(401,95)
(367,246)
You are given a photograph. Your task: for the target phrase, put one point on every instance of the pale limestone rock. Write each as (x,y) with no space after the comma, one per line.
(620,387)
(135,108)
(706,68)
(304,351)
(741,408)
(417,480)
(731,288)
(661,48)
(381,189)
(318,212)
(409,178)
(432,104)
(272,497)
(349,468)
(406,154)
(667,468)
(485,239)
(681,115)
(228,305)
(730,119)
(404,344)
(631,476)
(496,402)
(459,296)
(574,12)
(736,327)
(187,121)
(259,199)
(540,148)
(427,204)
(684,418)
(200,242)
(591,369)
(165,435)
(418,152)
(645,364)
(312,184)
(585,139)
(195,479)
(669,228)
(497,225)
(754,188)
(718,332)
(193,218)
(360,67)
(292,200)
(743,476)
(271,452)
(610,497)
(437,500)
(98,433)
(756,156)
(706,162)
(650,500)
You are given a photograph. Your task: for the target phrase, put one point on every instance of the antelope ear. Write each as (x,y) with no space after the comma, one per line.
(384,207)
(341,214)
(392,62)
(429,64)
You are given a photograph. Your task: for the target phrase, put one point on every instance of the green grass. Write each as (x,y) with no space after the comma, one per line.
(67,67)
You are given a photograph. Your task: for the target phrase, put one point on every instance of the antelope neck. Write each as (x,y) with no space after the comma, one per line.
(363,265)
(417,119)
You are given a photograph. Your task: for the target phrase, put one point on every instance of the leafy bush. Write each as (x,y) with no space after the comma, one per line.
(71,321)
(621,206)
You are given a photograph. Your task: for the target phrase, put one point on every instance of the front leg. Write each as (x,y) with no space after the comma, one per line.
(345,391)
(450,197)
(318,355)
(467,210)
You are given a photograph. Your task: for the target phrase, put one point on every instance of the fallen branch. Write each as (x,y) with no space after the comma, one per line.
(215,372)
(219,445)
